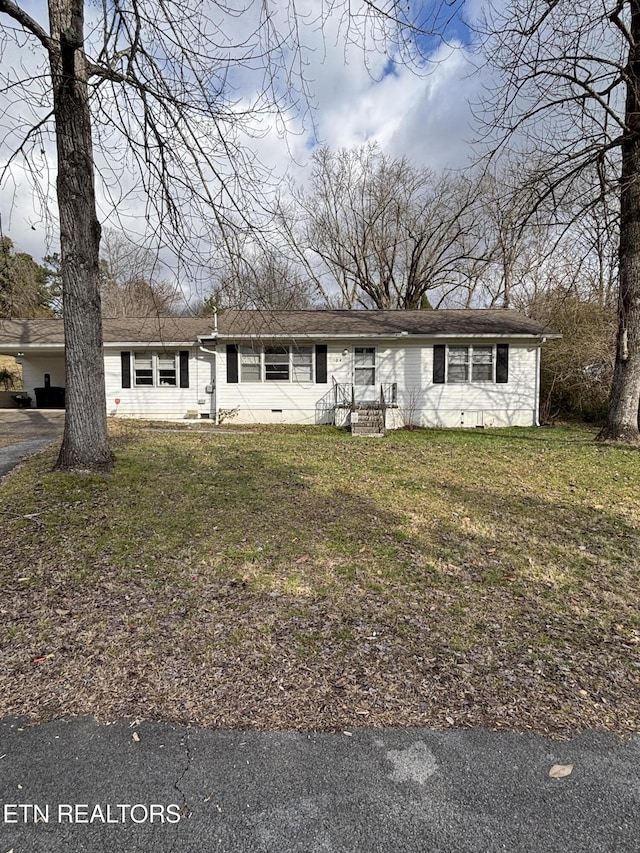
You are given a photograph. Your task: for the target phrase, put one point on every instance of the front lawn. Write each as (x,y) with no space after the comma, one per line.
(302,578)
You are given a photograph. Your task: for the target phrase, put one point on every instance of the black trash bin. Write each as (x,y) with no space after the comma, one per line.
(50,398)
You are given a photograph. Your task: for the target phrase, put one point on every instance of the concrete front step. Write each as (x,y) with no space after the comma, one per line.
(367,420)
(367,429)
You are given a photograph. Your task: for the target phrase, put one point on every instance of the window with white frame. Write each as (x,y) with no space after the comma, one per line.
(482,364)
(250,364)
(471,363)
(364,366)
(155,369)
(143,368)
(458,364)
(302,364)
(278,363)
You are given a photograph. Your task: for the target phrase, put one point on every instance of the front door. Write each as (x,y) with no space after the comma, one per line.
(364,375)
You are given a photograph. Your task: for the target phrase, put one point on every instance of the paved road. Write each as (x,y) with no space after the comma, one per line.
(26,431)
(371,791)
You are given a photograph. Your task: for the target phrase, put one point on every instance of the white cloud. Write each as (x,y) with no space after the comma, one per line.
(436,129)
(426,118)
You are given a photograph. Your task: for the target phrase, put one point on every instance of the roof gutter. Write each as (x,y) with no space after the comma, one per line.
(212,338)
(12,349)
(378,336)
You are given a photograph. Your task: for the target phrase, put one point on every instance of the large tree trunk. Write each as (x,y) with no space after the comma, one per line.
(624,400)
(84,445)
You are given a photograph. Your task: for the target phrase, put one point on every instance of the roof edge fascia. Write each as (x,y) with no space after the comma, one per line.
(539,336)
(8,348)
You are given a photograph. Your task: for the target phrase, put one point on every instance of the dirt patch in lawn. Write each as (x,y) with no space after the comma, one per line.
(298,579)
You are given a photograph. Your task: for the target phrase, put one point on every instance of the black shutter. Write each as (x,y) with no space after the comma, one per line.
(184,368)
(502,363)
(439,352)
(232,362)
(321,363)
(125,369)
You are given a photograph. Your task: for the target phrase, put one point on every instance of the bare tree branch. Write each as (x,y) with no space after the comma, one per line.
(570,86)
(26,22)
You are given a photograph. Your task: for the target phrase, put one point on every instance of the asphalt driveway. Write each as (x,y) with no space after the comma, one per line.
(26,431)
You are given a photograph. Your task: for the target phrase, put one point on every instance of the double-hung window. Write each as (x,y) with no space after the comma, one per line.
(250,364)
(143,368)
(458,365)
(155,368)
(167,369)
(277,363)
(474,363)
(364,368)
(482,364)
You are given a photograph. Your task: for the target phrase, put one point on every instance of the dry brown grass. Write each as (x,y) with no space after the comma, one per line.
(301,579)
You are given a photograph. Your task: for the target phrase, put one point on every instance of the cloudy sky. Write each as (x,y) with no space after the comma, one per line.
(356,97)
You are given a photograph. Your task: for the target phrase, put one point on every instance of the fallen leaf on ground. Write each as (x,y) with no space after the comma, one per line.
(559,771)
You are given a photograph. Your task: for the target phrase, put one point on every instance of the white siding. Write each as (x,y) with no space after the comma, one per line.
(162,403)
(34,369)
(424,403)
(270,402)
(420,401)
(408,364)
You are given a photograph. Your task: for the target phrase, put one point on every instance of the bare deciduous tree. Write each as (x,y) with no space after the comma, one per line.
(576,369)
(380,232)
(255,275)
(570,87)
(128,283)
(514,244)
(155,84)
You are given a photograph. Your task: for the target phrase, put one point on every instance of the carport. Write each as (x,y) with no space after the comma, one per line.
(38,346)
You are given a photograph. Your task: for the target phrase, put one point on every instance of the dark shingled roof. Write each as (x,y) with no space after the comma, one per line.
(125,330)
(378,323)
(292,324)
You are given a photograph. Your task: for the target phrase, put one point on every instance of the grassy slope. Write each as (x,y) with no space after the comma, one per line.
(304,578)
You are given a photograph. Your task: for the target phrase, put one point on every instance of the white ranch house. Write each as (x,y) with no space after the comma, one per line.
(444,368)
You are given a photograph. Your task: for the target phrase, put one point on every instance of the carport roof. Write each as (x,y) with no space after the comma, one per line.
(234,324)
